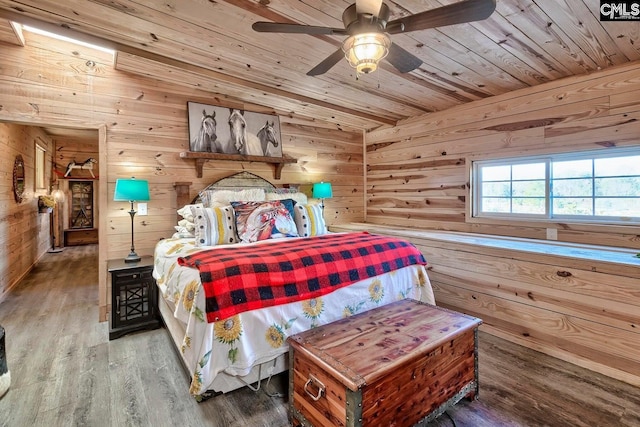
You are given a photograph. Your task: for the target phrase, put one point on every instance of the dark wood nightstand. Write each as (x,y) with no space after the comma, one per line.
(134,296)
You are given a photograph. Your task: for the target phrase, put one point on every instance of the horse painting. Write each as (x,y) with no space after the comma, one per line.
(86,165)
(245,142)
(206,138)
(269,140)
(228,130)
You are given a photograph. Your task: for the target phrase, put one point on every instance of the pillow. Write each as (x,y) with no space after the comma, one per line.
(185,223)
(214,226)
(284,190)
(295,196)
(182,232)
(310,220)
(264,220)
(186,212)
(217,198)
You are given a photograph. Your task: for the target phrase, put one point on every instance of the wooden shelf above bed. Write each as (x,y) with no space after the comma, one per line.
(201,158)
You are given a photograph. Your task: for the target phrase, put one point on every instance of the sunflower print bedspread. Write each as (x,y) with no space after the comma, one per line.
(236,344)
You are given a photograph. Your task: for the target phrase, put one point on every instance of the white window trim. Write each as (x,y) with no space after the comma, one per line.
(472,202)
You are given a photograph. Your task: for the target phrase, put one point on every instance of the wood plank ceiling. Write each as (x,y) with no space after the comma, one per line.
(211,44)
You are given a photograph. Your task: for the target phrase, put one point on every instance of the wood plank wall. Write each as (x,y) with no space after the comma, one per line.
(575,303)
(24,233)
(417,172)
(144,122)
(579,309)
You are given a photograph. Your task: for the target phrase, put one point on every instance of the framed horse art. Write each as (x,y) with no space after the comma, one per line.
(223,130)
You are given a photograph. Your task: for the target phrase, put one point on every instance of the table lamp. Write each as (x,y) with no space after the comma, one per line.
(131,190)
(322,190)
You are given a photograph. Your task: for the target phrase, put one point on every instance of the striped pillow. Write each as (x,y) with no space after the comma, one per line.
(214,226)
(309,220)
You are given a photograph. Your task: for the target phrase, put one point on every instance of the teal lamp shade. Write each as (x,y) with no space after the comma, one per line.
(322,190)
(131,190)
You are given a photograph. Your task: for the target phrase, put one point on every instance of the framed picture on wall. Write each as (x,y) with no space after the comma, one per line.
(40,157)
(231,131)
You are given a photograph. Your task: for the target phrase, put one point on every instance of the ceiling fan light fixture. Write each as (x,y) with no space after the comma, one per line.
(367,23)
(364,51)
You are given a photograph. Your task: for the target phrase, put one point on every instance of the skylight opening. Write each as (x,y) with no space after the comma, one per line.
(67,39)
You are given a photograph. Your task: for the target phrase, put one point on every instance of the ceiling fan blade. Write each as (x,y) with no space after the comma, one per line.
(402,60)
(281,27)
(327,64)
(371,7)
(456,13)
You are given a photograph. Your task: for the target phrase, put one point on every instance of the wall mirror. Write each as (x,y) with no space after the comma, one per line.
(18,178)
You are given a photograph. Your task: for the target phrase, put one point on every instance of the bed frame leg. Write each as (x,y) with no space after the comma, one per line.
(266,387)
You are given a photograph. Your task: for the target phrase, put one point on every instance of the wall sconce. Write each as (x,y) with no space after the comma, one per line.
(131,190)
(364,51)
(322,190)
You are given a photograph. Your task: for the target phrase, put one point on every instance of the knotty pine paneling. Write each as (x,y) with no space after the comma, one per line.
(10,32)
(418,171)
(145,125)
(577,303)
(24,233)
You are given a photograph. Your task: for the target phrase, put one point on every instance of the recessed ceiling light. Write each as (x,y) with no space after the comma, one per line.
(67,39)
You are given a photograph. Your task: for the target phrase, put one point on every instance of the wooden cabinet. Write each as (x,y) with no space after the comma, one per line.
(81,204)
(134,297)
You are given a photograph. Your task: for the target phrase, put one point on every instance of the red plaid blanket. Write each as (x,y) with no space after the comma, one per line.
(243,278)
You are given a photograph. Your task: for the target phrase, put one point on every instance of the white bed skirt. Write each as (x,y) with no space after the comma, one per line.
(223,382)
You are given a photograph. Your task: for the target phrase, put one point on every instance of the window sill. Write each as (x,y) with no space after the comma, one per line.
(601,254)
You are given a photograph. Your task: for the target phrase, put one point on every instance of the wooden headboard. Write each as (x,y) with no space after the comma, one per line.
(236,181)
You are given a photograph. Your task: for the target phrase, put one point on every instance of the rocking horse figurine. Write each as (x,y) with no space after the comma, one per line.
(87,164)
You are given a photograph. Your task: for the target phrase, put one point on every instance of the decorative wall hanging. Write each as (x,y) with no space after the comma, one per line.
(86,165)
(18,178)
(232,131)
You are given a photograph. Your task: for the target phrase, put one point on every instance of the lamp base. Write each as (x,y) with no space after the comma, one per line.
(55,250)
(132,257)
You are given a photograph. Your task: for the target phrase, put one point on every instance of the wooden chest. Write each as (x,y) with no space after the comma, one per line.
(396,365)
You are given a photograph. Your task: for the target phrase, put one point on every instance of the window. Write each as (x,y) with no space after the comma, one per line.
(592,186)
(40,168)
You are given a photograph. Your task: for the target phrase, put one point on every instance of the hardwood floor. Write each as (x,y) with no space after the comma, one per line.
(65,371)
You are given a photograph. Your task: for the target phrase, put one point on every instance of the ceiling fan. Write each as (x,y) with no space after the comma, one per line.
(367,24)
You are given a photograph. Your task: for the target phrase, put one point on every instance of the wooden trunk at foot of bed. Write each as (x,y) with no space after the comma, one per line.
(397,365)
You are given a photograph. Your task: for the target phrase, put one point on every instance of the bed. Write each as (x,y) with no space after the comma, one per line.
(225,347)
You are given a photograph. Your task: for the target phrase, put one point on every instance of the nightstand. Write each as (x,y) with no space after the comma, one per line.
(134,296)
